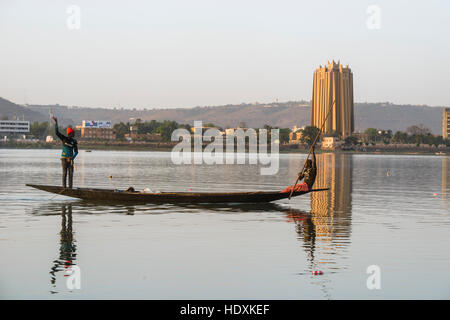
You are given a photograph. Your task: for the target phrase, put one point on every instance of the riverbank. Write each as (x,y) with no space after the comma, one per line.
(168,146)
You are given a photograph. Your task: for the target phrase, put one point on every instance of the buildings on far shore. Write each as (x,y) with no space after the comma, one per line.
(96,130)
(331,143)
(445,123)
(295,135)
(147,137)
(14,126)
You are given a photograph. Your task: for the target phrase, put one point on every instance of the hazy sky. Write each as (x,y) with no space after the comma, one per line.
(192,53)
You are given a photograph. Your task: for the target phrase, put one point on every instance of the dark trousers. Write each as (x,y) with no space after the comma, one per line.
(67,168)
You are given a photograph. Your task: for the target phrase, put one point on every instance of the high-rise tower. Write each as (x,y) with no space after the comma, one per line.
(333,83)
(445,123)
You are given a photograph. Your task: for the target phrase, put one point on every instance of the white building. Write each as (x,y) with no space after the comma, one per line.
(331,143)
(96,124)
(229,131)
(295,128)
(14,126)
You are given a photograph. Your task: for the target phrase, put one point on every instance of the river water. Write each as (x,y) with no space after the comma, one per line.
(388,211)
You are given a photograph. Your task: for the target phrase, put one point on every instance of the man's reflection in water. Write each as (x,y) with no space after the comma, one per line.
(67,249)
(305,229)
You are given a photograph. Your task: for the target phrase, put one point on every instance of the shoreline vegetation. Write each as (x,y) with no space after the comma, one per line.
(284,148)
(157,136)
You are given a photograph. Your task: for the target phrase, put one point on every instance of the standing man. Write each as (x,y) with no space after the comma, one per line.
(69,152)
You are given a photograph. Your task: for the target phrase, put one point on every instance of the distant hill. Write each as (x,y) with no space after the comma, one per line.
(286,114)
(258,115)
(15,111)
(397,117)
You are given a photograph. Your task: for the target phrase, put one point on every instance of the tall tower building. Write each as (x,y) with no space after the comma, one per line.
(445,123)
(333,83)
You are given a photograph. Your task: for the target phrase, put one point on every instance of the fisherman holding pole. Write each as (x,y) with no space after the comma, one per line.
(309,170)
(308,174)
(69,152)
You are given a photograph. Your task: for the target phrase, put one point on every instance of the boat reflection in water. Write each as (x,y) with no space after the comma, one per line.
(67,249)
(325,231)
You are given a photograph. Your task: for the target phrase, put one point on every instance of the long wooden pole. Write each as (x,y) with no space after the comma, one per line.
(312,146)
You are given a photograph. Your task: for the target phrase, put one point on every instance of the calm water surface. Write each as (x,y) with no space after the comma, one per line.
(399,221)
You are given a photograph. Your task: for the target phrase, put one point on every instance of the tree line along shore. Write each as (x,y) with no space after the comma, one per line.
(416,139)
(167,147)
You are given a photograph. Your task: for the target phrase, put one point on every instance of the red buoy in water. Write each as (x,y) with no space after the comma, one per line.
(317,272)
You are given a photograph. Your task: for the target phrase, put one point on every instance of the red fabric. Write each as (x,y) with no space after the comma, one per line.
(69,131)
(301,187)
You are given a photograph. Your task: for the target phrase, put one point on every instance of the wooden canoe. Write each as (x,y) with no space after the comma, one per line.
(110,195)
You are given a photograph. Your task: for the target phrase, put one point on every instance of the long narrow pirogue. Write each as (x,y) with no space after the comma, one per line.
(109,195)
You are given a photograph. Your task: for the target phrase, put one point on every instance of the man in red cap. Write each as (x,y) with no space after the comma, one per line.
(69,152)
